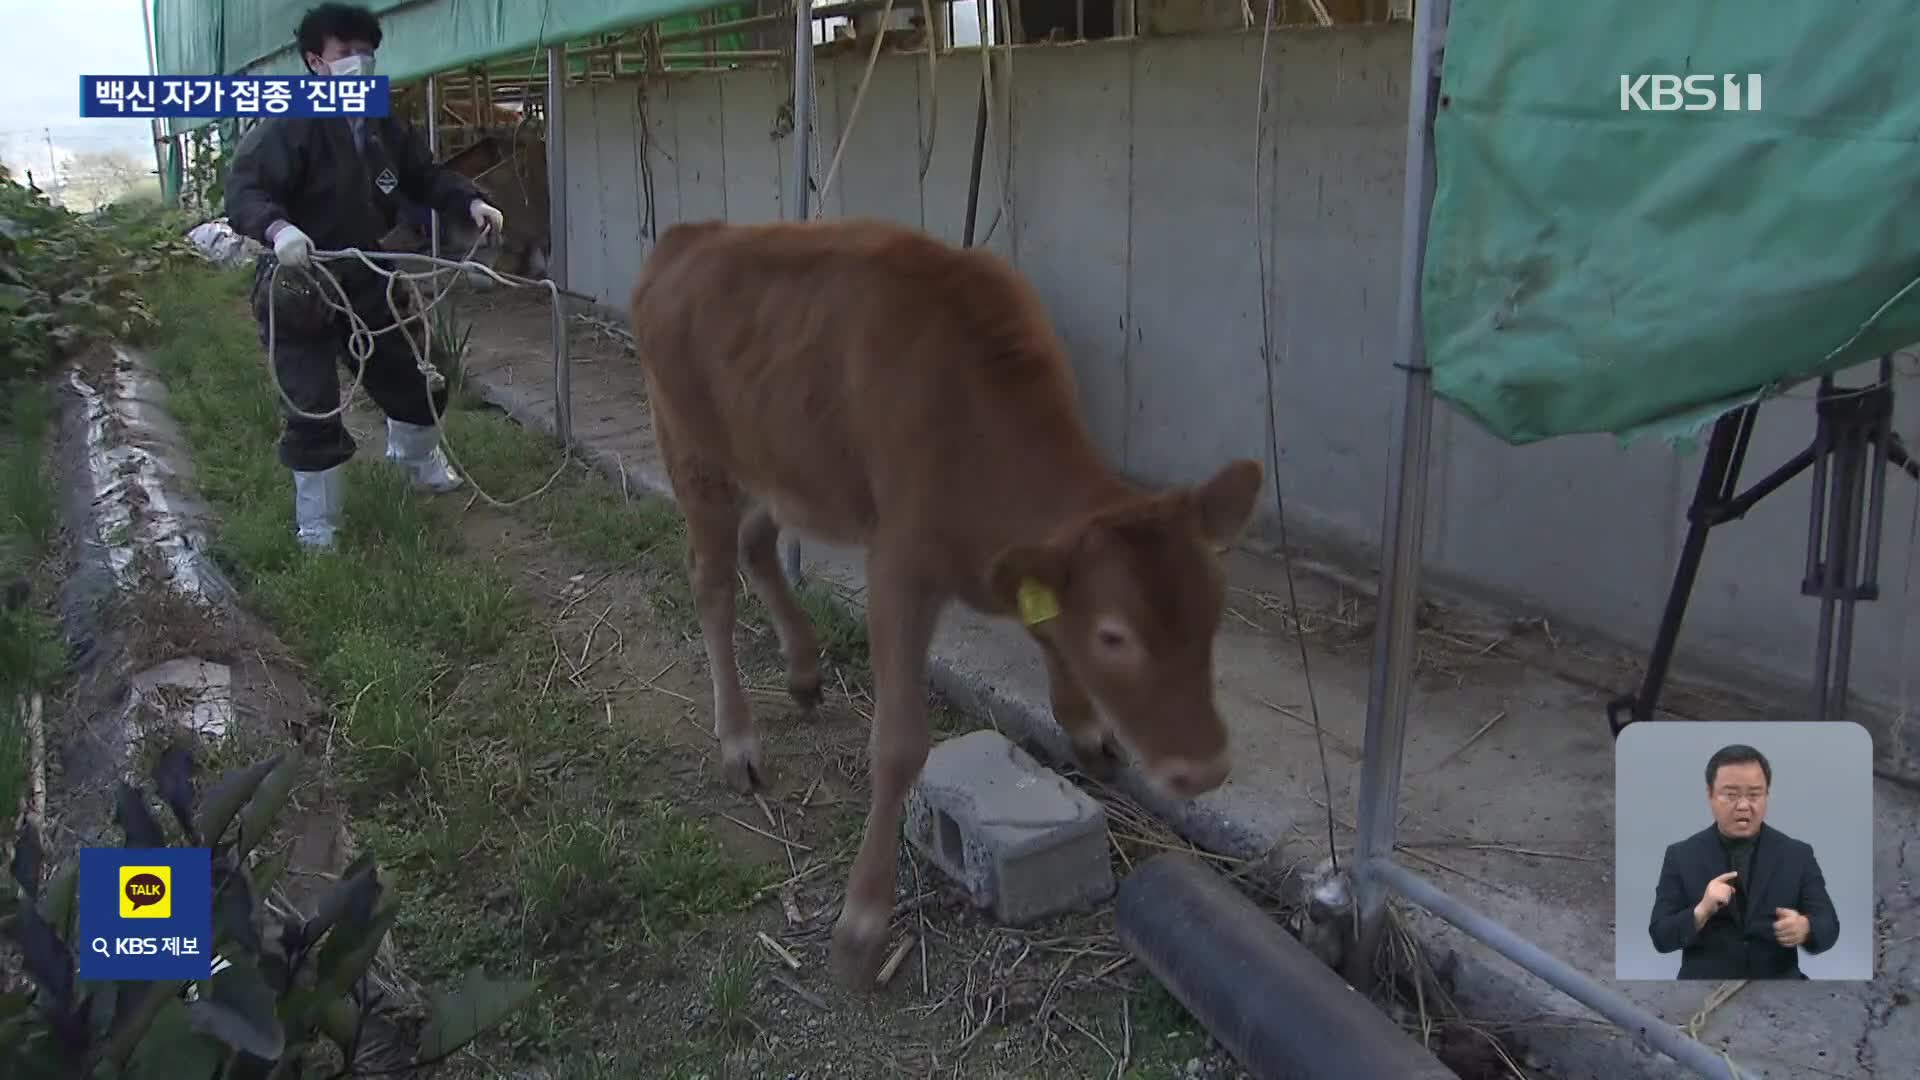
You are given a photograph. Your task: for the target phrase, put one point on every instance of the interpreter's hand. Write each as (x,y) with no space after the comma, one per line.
(291,246)
(1790,928)
(490,220)
(1719,893)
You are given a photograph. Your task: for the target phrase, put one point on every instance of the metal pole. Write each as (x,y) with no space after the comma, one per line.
(433,150)
(156,125)
(1644,1026)
(1405,525)
(556,136)
(802,175)
(973,174)
(1377,877)
(1883,439)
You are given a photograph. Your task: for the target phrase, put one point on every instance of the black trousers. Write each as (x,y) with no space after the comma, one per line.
(308,354)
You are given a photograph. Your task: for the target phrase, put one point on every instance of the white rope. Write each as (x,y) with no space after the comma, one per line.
(1003,167)
(1002,171)
(1273,424)
(933,86)
(814,158)
(853,113)
(361,338)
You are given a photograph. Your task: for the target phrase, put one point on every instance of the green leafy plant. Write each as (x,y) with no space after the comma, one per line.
(449,344)
(68,280)
(210,154)
(281,984)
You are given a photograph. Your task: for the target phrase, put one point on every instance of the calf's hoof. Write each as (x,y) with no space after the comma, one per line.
(857,954)
(745,771)
(1101,760)
(805,691)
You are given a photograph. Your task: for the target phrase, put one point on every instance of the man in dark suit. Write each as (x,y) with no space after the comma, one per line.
(1740,898)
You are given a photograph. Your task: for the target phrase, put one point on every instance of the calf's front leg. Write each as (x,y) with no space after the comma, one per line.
(1095,750)
(901,614)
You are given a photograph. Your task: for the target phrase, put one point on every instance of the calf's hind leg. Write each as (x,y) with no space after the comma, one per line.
(760,550)
(711,504)
(711,566)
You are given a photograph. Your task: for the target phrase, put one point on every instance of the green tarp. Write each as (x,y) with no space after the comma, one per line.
(1598,270)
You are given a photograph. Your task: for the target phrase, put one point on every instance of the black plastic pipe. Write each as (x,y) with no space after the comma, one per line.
(979,148)
(1280,1011)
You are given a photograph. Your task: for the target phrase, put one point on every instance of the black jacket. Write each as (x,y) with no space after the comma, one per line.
(1737,942)
(306,170)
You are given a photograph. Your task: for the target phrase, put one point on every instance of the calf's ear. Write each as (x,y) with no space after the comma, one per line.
(1036,569)
(1223,505)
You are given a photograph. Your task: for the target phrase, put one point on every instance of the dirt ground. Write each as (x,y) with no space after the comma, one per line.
(966,998)
(510,329)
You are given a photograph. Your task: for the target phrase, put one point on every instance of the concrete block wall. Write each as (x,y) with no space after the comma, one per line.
(1131,208)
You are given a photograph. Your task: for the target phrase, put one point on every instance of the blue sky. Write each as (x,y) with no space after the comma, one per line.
(50,45)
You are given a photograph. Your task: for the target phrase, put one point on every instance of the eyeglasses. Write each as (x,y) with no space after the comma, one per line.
(1735,798)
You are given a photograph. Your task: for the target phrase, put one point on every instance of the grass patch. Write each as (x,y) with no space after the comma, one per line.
(729,986)
(30,653)
(28,518)
(1166,1036)
(590,517)
(649,862)
(508,808)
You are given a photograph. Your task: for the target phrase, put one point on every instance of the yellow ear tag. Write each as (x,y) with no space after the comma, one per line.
(1037,603)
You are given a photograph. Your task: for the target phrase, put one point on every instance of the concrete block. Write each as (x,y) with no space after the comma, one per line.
(1021,840)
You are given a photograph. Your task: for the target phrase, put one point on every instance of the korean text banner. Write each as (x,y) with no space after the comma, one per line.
(220,96)
(214,97)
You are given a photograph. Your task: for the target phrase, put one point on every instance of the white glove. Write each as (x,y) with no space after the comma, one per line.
(486,217)
(291,246)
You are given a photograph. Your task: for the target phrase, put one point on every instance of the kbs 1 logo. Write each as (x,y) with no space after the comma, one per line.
(1689,93)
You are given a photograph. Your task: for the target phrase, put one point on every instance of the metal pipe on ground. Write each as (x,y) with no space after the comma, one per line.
(1276,1007)
(1643,1026)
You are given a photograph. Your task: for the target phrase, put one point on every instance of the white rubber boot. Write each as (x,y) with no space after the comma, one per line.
(317,498)
(417,449)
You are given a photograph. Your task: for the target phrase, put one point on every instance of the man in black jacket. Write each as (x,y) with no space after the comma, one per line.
(1739,898)
(301,183)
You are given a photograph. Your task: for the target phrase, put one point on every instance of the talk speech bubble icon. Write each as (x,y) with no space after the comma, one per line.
(144,889)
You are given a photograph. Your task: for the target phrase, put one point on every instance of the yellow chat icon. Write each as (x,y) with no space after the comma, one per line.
(146,892)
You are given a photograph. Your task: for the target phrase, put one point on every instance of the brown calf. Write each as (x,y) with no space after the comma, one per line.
(866,384)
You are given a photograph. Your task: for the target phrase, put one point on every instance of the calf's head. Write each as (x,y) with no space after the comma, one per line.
(1129,598)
